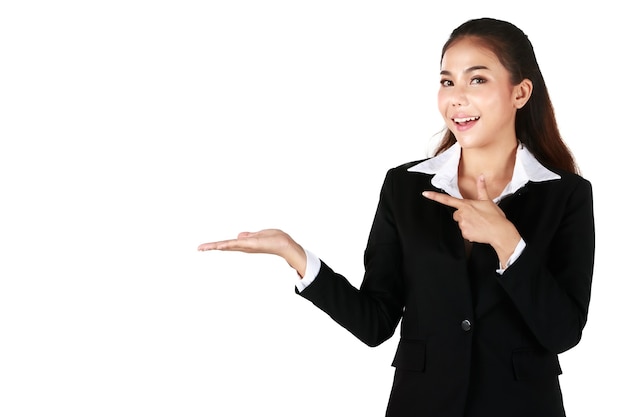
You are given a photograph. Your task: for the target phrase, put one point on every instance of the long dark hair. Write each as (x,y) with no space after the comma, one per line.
(535,123)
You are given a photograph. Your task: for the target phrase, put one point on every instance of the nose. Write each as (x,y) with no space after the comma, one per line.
(458,97)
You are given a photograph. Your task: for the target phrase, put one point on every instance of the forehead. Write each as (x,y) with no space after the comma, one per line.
(469,52)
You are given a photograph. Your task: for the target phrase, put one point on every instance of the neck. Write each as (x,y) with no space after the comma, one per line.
(496,163)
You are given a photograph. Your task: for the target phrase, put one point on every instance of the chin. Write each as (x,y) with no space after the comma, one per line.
(464,141)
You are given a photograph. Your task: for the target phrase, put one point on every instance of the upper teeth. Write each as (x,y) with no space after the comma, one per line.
(465,119)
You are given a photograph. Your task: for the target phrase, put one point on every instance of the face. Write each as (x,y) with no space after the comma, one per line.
(476,98)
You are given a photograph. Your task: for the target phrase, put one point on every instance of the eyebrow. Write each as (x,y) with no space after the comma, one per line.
(467,70)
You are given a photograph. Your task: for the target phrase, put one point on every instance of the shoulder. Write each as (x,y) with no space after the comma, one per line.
(570,180)
(570,188)
(405,168)
(401,177)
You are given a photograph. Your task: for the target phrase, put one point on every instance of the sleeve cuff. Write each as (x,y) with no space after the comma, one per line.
(313,265)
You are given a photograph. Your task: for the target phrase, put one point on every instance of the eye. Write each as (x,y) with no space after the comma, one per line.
(446,83)
(478,80)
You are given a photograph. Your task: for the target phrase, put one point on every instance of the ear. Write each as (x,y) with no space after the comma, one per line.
(522,92)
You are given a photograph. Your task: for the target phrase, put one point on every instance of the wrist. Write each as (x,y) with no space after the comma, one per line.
(295,256)
(506,244)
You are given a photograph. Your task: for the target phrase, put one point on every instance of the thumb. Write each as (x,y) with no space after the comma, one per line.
(482,188)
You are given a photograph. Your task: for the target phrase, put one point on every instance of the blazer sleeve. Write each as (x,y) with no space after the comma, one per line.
(373,311)
(550,284)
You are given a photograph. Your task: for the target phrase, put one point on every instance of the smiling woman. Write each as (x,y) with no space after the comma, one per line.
(479,102)
(488,267)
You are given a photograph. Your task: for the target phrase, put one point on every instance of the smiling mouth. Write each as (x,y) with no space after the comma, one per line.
(462,120)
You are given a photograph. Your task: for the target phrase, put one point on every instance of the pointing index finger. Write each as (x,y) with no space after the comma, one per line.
(443,199)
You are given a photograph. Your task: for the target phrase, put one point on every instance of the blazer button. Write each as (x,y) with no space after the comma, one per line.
(466,325)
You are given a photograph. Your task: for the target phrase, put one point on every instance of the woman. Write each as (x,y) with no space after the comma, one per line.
(484,252)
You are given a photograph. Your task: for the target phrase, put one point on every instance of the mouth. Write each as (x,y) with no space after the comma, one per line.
(464,120)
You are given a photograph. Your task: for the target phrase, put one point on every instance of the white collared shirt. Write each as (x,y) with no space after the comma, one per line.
(445,167)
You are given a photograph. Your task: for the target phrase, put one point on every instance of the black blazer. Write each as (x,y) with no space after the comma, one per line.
(472,342)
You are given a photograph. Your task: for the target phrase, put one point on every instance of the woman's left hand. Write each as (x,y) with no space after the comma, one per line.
(481,220)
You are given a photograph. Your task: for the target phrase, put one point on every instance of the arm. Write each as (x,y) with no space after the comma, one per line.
(372,312)
(551,285)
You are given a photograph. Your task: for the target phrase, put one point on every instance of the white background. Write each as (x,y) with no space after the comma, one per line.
(132,131)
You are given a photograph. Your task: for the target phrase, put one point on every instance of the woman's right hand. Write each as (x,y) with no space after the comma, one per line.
(270,241)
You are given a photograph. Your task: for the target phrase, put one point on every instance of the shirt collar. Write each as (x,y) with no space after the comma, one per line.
(445,169)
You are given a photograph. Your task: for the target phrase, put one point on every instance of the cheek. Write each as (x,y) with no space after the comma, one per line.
(442,103)
(502,104)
